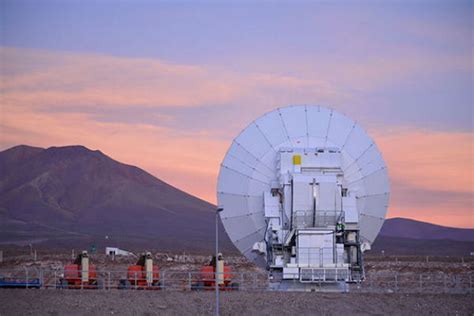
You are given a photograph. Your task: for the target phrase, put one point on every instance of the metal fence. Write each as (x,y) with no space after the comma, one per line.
(176,280)
(308,218)
(431,283)
(373,257)
(179,280)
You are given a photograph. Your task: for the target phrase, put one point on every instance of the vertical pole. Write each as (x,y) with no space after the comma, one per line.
(162,283)
(41,277)
(445,289)
(470,283)
(396,281)
(421,283)
(81,273)
(189,281)
(215,268)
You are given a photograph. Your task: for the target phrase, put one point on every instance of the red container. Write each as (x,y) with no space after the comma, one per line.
(138,274)
(73,274)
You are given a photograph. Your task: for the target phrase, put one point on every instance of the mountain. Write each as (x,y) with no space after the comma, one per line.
(409,228)
(64,196)
(421,247)
(402,236)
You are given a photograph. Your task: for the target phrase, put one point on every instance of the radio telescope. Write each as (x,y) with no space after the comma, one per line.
(305,192)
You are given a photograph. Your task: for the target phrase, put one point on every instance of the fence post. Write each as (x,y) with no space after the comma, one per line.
(189,280)
(41,277)
(241,280)
(26,272)
(162,283)
(136,283)
(470,283)
(396,281)
(421,283)
(109,286)
(445,289)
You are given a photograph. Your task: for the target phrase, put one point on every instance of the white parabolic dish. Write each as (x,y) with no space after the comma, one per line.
(250,167)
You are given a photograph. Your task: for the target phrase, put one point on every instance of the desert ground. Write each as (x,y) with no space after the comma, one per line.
(392,287)
(70,302)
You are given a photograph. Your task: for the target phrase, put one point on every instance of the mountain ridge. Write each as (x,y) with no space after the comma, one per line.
(86,192)
(409,228)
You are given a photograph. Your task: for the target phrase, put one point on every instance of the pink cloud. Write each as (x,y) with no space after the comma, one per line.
(438,161)
(96,80)
(35,81)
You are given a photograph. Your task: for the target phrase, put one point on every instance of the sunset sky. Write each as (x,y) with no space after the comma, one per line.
(166,86)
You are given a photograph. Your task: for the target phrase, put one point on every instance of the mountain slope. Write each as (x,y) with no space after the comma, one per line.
(421,247)
(408,228)
(402,236)
(73,190)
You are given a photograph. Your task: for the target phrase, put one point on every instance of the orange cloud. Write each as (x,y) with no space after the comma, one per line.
(431,160)
(431,172)
(186,161)
(432,175)
(456,214)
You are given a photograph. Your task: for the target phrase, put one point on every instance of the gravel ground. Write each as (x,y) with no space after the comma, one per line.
(51,302)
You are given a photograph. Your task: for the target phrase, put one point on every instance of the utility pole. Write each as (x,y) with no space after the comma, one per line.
(217,254)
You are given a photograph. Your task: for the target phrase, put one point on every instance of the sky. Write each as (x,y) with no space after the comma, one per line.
(167,85)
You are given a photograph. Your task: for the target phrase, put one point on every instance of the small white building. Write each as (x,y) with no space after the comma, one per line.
(114,251)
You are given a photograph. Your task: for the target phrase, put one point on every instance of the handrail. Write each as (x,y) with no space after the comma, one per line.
(309,218)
